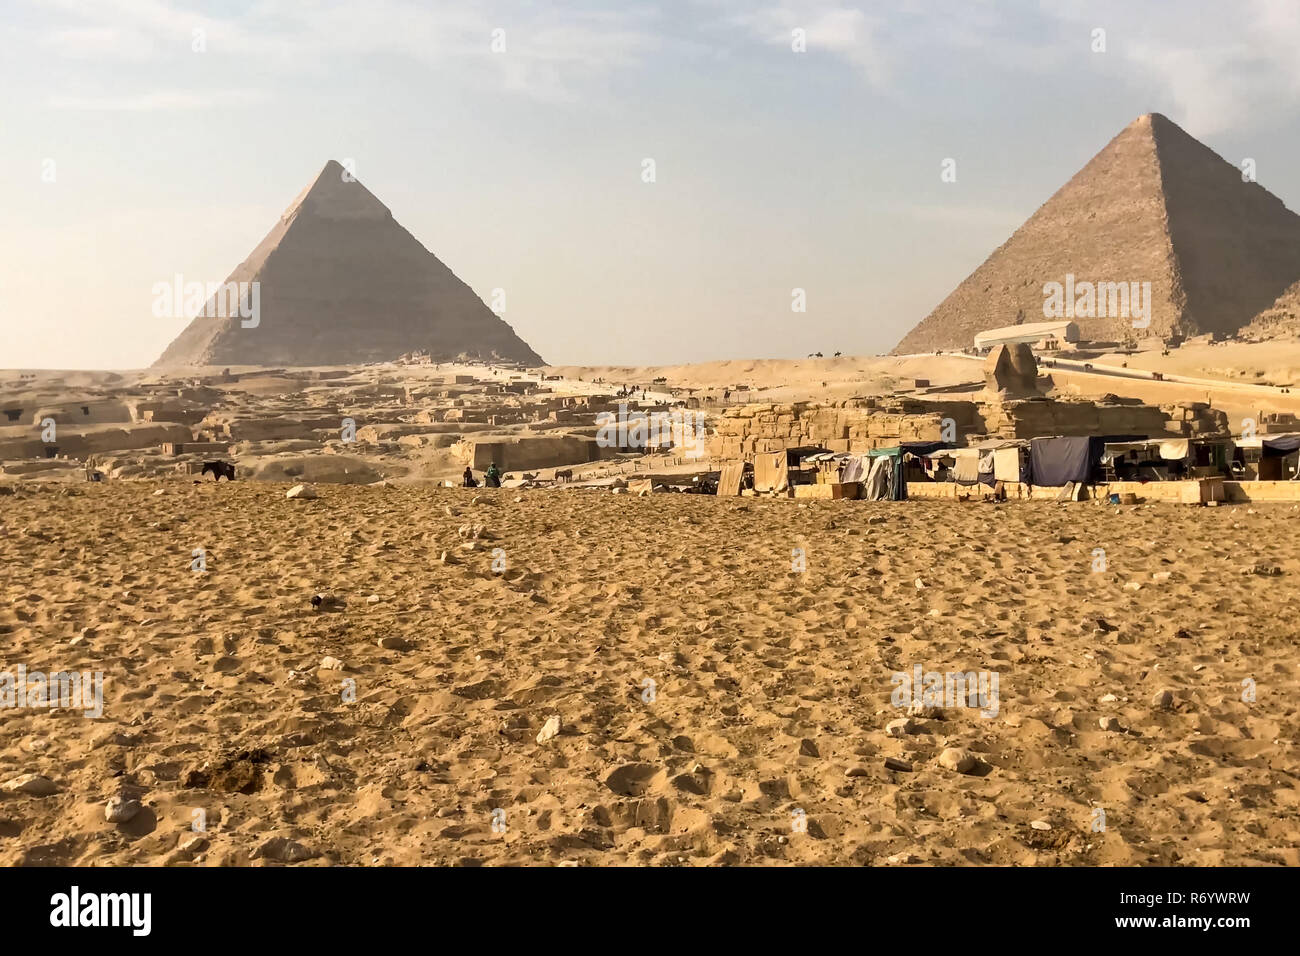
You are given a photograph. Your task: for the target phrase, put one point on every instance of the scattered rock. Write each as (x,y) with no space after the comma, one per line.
(331,664)
(1265,570)
(284,850)
(958,759)
(301,492)
(1040,825)
(1110,723)
(925,711)
(900,727)
(31,783)
(1163,700)
(193,845)
(120,809)
(897,763)
(393,642)
(550,729)
(238,773)
(860,771)
(325,601)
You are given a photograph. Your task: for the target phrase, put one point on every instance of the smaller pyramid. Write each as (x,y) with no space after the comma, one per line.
(1154,206)
(341,283)
(1281,320)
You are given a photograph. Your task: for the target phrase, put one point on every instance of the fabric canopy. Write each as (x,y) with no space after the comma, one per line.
(1280,444)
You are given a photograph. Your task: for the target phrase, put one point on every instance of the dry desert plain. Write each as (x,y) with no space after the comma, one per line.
(772,688)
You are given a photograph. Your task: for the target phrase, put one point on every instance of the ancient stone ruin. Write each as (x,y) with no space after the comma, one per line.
(1011,371)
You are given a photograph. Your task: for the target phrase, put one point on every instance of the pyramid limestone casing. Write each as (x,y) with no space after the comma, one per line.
(1155,205)
(341,282)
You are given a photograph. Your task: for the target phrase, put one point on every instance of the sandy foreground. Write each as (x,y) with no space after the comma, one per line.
(771,688)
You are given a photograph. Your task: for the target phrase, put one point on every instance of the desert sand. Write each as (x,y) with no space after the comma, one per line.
(771,694)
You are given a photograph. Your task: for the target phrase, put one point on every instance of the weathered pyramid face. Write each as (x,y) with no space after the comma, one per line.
(1280,320)
(1157,219)
(339,281)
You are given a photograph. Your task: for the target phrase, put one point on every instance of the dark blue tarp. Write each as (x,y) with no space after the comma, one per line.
(1059,461)
(1280,445)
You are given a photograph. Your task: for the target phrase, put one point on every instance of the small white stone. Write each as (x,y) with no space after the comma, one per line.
(550,729)
(121,809)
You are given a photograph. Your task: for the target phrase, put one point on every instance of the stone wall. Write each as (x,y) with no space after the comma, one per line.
(861,424)
(854,425)
(530,453)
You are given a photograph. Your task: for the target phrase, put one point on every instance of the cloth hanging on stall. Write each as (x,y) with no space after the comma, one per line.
(1175,450)
(1006,464)
(771,472)
(1059,461)
(879,483)
(966,470)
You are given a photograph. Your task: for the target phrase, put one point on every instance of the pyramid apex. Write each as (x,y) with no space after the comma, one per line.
(1147,120)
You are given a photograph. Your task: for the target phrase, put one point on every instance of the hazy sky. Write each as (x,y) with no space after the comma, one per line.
(522,169)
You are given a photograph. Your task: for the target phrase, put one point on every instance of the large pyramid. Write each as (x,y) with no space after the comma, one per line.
(1154,206)
(341,282)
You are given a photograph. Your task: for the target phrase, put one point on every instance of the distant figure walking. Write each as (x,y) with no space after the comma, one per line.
(468,479)
(492,477)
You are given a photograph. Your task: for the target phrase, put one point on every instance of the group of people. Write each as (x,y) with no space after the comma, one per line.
(491,477)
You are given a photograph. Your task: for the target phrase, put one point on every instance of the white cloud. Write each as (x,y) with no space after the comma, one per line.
(1219,65)
(552,52)
(157,100)
(843,31)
